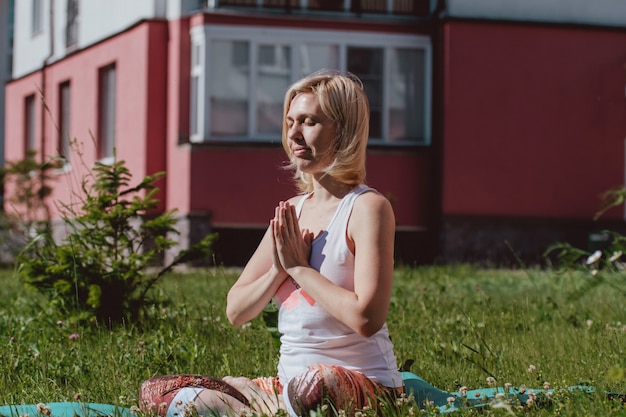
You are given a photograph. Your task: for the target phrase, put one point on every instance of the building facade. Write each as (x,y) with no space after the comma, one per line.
(492,126)
(6,58)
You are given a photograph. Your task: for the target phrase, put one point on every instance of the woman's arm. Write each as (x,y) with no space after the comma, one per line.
(371,236)
(256,285)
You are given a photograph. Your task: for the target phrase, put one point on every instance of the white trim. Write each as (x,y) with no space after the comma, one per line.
(253,57)
(201,71)
(247,33)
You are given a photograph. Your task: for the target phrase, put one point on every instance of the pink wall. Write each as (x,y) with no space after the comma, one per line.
(140,93)
(238,185)
(178,157)
(16,94)
(535,119)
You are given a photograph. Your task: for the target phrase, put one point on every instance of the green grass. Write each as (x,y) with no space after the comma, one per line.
(460,324)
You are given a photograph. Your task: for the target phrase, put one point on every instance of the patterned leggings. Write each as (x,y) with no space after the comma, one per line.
(335,386)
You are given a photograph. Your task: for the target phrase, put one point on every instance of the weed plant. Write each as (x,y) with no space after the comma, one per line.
(461,325)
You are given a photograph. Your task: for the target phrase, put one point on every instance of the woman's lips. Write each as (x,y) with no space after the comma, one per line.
(300,151)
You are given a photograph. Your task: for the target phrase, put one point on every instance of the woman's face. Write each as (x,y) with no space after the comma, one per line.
(310,134)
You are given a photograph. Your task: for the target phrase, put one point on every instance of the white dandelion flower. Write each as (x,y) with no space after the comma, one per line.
(595,257)
(616,255)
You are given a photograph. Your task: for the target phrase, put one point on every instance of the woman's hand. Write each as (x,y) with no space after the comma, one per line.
(292,247)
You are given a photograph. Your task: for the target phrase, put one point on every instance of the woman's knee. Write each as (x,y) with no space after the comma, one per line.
(164,394)
(333,385)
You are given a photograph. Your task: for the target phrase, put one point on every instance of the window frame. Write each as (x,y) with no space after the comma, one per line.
(72,16)
(36,17)
(107,108)
(203,36)
(65,111)
(30,124)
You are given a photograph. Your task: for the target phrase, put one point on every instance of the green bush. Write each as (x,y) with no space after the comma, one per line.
(603,266)
(100,269)
(29,184)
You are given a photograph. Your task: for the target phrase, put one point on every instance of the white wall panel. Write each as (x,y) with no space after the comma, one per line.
(98,19)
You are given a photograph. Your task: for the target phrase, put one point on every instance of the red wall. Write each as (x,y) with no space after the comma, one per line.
(140,58)
(534,118)
(240,185)
(243,185)
(178,157)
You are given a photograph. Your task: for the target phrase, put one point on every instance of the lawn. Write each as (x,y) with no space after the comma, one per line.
(460,324)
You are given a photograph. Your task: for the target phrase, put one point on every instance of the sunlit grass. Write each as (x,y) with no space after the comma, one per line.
(460,324)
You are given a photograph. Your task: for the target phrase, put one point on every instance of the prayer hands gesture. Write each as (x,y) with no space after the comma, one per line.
(292,246)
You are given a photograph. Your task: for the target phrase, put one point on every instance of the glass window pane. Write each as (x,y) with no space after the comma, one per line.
(29,128)
(332,5)
(195,55)
(64,121)
(316,57)
(37,16)
(367,64)
(195,109)
(406,95)
(229,88)
(71,26)
(273,79)
(238,2)
(107,111)
(370,6)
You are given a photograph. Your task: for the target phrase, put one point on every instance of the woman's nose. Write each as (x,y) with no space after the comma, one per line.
(294,131)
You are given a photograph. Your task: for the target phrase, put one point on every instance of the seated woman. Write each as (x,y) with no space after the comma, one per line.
(327,260)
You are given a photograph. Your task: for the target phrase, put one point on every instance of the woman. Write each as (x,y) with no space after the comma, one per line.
(327,260)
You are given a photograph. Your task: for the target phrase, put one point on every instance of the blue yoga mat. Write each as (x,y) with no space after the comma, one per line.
(66,409)
(423,392)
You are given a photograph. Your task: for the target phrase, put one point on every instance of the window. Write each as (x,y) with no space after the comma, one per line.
(273,77)
(106,115)
(64,122)
(406,68)
(36,16)
(29,124)
(229,96)
(237,87)
(367,64)
(197,106)
(71,25)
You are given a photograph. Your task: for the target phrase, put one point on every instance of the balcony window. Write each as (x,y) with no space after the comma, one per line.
(327,5)
(229,93)
(237,88)
(385,7)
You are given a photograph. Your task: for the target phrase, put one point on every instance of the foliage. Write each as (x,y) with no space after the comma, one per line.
(30,186)
(30,180)
(603,266)
(461,324)
(100,269)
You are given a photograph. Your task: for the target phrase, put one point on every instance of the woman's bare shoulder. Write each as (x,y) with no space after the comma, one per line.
(372,199)
(296,199)
(372,205)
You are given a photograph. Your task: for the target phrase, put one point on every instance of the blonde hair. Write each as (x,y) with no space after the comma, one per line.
(342,100)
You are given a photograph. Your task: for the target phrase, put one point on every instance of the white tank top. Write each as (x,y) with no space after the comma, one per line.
(312,336)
